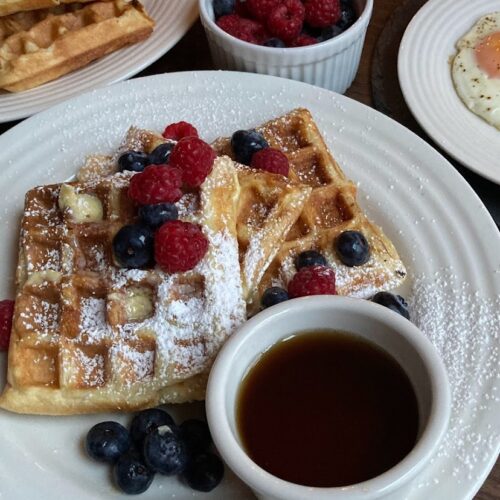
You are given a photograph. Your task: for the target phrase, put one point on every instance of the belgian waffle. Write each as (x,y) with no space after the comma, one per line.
(37,47)
(330,209)
(90,336)
(12,6)
(268,206)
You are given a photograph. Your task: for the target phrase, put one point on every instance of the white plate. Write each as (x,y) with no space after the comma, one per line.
(425,78)
(440,227)
(173,19)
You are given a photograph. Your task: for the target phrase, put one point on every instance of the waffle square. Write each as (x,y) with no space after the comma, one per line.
(91,336)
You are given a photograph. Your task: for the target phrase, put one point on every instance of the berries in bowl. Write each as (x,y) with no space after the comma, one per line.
(316,41)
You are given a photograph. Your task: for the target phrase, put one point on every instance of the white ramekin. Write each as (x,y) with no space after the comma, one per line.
(390,331)
(332,64)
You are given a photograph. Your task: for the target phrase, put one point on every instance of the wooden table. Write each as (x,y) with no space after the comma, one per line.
(192,53)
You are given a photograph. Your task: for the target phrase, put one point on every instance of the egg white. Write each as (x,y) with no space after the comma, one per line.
(479,92)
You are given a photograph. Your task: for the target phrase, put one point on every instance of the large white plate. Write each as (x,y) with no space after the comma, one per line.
(425,78)
(173,19)
(440,227)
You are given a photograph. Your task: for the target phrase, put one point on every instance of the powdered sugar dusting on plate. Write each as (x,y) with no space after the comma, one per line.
(460,322)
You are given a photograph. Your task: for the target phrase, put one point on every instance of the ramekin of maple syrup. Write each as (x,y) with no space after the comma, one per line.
(327,397)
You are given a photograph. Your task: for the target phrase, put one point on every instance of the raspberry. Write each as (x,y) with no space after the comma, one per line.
(322,13)
(6,313)
(179,246)
(285,20)
(156,184)
(177,131)
(260,9)
(312,280)
(194,158)
(303,40)
(244,29)
(272,160)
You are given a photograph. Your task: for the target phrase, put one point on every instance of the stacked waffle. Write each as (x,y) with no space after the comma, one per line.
(90,336)
(37,46)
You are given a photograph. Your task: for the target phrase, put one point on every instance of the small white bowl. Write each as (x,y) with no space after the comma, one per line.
(397,336)
(332,64)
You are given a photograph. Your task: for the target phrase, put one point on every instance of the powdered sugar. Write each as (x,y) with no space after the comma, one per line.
(460,322)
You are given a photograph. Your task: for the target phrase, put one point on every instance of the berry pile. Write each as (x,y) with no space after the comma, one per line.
(251,148)
(155,444)
(315,277)
(284,23)
(159,182)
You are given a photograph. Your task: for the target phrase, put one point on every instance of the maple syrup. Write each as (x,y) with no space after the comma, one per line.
(326,409)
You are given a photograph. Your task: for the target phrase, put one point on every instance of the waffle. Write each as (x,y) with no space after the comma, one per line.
(13,6)
(268,205)
(89,336)
(37,47)
(330,209)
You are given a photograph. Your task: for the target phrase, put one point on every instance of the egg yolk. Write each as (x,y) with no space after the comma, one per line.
(488,55)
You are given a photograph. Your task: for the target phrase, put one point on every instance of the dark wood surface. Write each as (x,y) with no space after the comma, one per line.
(378,64)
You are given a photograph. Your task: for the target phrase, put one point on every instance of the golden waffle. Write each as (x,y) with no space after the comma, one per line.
(12,6)
(330,209)
(268,206)
(90,336)
(37,47)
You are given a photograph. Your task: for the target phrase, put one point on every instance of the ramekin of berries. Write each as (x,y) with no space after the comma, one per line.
(314,41)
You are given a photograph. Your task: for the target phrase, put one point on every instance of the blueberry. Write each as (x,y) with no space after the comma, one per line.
(395,303)
(196,435)
(348,15)
(148,420)
(311,31)
(275,42)
(245,143)
(161,154)
(131,475)
(133,246)
(273,295)
(223,7)
(133,160)
(330,32)
(165,451)
(205,472)
(310,258)
(107,441)
(155,215)
(352,248)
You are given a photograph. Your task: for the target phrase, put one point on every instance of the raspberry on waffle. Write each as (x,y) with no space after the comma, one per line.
(90,336)
(330,209)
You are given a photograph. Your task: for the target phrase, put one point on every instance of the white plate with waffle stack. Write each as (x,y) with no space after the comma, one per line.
(173,19)
(441,229)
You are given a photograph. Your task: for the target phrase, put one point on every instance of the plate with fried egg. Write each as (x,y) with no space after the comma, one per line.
(449,72)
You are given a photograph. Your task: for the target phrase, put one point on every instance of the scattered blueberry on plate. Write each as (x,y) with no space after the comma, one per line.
(156,444)
(132,475)
(394,302)
(165,451)
(107,441)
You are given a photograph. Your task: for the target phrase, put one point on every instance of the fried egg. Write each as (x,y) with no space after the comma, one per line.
(476,69)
